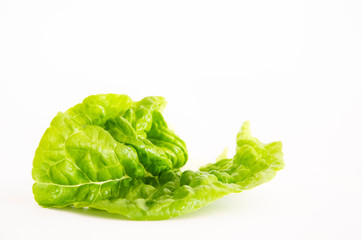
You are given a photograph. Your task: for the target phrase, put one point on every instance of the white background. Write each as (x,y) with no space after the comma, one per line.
(293,68)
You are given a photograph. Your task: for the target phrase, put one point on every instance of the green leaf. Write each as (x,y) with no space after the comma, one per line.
(111,153)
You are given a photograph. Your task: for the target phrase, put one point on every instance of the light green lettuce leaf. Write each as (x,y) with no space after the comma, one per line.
(111,153)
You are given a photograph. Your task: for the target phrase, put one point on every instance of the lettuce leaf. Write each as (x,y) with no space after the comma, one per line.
(112,153)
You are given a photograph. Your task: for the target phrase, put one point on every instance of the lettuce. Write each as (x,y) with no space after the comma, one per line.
(112,153)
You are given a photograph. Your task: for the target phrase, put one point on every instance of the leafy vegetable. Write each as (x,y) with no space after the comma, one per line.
(111,153)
